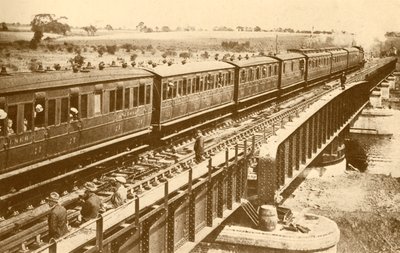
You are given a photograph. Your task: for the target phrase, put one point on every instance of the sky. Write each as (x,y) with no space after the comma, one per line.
(359,16)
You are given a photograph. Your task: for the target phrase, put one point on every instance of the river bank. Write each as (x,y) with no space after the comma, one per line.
(365,206)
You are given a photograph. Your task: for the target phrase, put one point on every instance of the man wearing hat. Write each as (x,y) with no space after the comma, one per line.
(199,146)
(120,194)
(91,202)
(57,219)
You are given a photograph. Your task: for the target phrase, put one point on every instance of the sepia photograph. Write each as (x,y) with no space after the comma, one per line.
(195,126)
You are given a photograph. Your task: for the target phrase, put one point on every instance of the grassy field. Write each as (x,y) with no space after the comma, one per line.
(16,55)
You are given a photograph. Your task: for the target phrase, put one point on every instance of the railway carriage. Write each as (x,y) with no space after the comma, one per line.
(292,72)
(338,59)
(50,114)
(189,95)
(353,58)
(318,64)
(256,78)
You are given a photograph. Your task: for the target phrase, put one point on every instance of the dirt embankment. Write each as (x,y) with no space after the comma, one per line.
(366,208)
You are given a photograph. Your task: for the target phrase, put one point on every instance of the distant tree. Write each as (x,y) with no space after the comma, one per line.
(91,30)
(46,23)
(240,28)
(4,27)
(157,29)
(140,26)
(147,30)
(165,29)
(257,29)
(109,27)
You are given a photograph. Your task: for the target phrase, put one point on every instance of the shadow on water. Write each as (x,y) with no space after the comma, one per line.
(356,155)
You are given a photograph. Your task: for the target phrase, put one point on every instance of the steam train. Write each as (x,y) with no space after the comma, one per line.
(44,116)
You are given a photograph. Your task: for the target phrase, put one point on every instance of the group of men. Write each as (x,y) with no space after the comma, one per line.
(91,206)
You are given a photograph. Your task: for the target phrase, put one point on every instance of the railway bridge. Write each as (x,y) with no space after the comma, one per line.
(184,203)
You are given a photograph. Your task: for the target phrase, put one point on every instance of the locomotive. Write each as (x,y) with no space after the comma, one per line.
(45,117)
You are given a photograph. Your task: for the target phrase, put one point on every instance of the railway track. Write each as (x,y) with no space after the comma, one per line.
(155,166)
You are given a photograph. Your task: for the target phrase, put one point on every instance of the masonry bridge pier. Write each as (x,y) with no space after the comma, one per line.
(180,211)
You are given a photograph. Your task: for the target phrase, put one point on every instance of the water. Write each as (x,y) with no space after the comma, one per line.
(381,153)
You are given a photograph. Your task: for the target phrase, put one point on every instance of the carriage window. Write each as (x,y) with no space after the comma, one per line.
(301,65)
(165,91)
(292,67)
(189,86)
(39,113)
(64,110)
(185,87)
(197,84)
(284,68)
(28,110)
(269,70)
(141,94)
(84,105)
(120,98)
(51,112)
(251,75)
(174,89)
(12,119)
(264,71)
(135,96)
(180,89)
(201,84)
(148,94)
(243,76)
(275,70)
(112,101)
(257,73)
(193,85)
(229,78)
(127,97)
(97,103)
(74,107)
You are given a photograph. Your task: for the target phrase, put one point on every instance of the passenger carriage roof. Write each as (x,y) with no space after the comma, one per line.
(253,61)
(320,54)
(188,68)
(351,49)
(52,79)
(335,50)
(289,56)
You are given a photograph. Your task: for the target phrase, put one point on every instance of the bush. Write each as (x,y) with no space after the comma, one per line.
(133,57)
(51,47)
(111,49)
(185,55)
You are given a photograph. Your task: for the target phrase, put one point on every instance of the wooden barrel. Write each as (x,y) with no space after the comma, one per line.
(268,217)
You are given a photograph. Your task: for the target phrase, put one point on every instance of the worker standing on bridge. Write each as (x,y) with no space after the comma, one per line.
(120,195)
(91,203)
(343,80)
(57,219)
(199,146)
